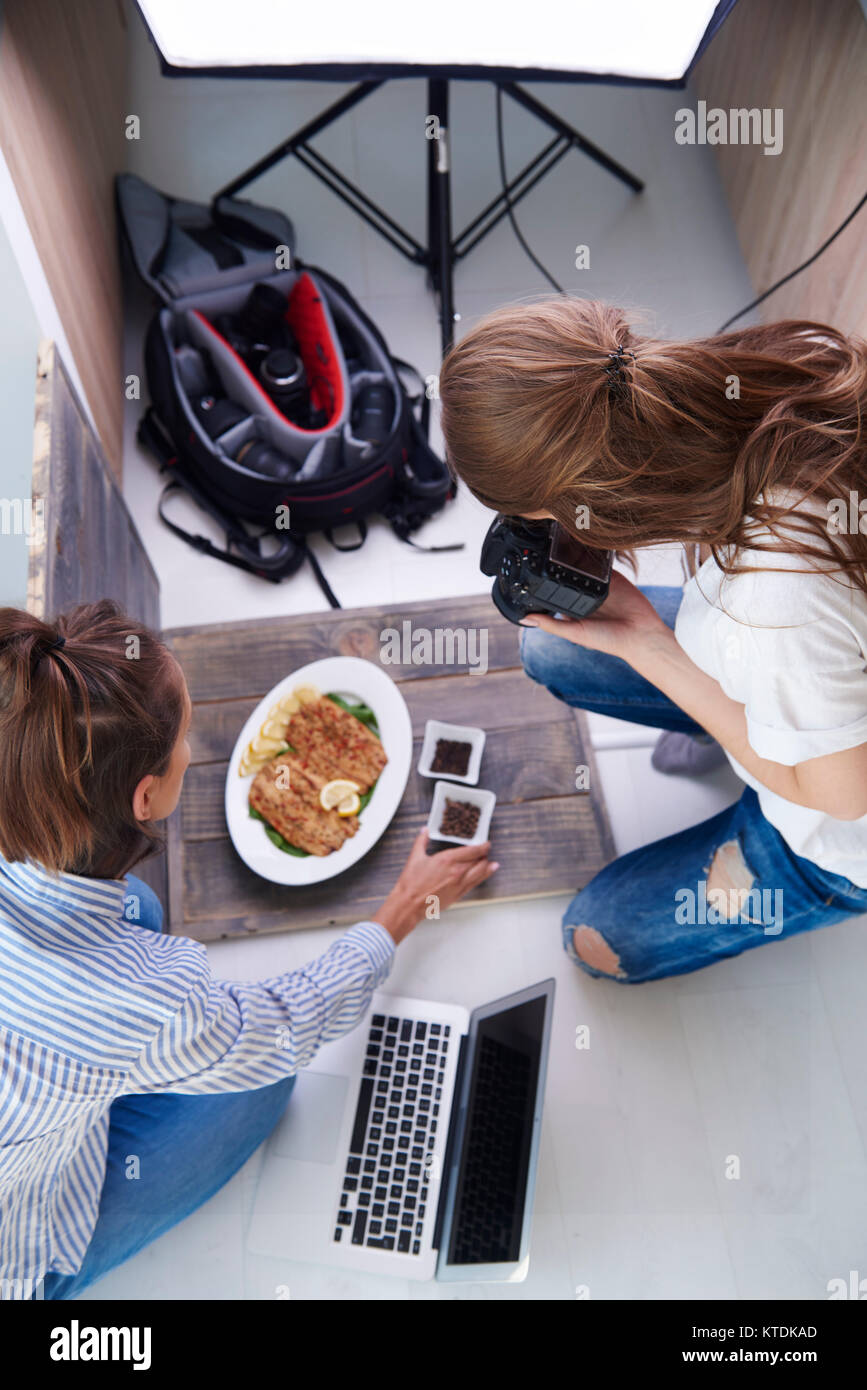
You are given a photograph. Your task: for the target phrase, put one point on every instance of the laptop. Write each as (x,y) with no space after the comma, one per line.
(409,1146)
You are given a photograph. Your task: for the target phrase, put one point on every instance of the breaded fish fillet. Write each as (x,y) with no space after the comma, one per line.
(295,811)
(335,743)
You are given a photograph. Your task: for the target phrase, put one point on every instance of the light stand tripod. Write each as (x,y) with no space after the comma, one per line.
(442,251)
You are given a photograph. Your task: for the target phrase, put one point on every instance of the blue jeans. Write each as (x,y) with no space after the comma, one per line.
(690,899)
(189,1147)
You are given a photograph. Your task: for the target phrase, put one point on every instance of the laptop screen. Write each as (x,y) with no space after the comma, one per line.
(492,1174)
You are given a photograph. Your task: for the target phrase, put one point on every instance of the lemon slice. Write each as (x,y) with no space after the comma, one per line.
(264,747)
(350,805)
(333,793)
(305,694)
(285,707)
(274,728)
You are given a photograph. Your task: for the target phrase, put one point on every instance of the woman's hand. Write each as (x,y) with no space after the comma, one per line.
(626,619)
(427,879)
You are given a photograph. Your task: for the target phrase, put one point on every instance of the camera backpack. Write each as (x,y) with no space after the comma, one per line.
(218,422)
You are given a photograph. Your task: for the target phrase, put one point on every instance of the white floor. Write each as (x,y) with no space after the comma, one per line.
(760,1057)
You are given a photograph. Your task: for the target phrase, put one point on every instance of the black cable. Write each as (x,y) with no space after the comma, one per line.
(516,229)
(559,288)
(792,273)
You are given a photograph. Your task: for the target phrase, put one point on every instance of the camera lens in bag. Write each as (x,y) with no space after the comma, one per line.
(372,414)
(261,458)
(262,318)
(258,326)
(216,414)
(284,378)
(195,371)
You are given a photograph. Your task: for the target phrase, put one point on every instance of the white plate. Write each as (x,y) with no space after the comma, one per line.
(339,675)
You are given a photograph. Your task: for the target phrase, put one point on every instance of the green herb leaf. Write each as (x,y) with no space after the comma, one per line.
(360,710)
(277,839)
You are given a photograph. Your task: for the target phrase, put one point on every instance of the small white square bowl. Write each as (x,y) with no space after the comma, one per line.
(434,729)
(476,796)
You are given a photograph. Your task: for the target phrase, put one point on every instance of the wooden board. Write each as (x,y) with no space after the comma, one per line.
(548,838)
(89,547)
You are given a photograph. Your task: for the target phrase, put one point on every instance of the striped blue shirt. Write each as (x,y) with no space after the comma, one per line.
(93,1007)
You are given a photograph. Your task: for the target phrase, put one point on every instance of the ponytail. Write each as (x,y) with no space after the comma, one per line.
(89,705)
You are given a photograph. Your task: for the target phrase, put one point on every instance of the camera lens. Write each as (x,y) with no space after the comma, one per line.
(261,458)
(284,378)
(195,371)
(282,368)
(263,316)
(371,418)
(216,414)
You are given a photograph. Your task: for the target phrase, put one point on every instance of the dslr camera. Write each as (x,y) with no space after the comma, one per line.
(261,336)
(539,567)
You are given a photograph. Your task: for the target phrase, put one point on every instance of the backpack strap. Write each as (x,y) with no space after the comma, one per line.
(401,365)
(362,536)
(272,567)
(286,560)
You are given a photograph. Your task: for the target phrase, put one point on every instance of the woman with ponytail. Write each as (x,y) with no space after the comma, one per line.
(750,450)
(133,1084)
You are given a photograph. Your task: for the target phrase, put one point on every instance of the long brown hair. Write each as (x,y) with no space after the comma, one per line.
(80,724)
(677,446)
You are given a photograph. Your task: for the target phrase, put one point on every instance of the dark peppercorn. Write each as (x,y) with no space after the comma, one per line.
(451,757)
(460,818)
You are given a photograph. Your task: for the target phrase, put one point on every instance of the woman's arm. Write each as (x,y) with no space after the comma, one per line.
(227,1036)
(835,783)
(628,626)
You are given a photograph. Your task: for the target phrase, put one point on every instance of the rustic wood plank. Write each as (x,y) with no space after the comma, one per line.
(544,847)
(548,837)
(154,872)
(518,765)
(231,660)
(175,868)
(502,700)
(91,547)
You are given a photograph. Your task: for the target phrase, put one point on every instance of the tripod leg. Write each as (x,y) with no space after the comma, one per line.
(439,208)
(580,141)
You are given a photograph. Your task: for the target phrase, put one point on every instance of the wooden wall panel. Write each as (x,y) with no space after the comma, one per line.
(62,94)
(808,57)
(89,547)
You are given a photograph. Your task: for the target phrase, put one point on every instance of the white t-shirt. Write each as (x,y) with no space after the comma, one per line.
(791,648)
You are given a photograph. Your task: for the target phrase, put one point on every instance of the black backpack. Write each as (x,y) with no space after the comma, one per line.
(219,433)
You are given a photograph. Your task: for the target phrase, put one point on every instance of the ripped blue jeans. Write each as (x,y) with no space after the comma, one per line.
(713,890)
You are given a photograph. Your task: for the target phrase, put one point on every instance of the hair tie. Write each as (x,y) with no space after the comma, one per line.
(614,370)
(53,646)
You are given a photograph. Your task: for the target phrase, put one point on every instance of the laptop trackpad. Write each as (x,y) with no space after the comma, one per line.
(311,1123)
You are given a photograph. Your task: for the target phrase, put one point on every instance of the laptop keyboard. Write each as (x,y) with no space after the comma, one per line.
(386,1184)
